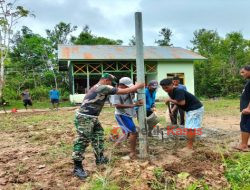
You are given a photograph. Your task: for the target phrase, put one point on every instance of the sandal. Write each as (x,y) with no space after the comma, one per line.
(241,149)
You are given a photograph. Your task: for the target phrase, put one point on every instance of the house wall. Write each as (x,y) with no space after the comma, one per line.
(150,77)
(163,68)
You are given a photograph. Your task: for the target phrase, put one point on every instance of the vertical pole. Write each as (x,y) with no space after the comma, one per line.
(70,77)
(1,65)
(87,77)
(73,78)
(131,71)
(143,145)
(1,71)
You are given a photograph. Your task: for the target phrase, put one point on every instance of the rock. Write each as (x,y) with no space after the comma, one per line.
(3,181)
(41,166)
(126,158)
(150,168)
(2,173)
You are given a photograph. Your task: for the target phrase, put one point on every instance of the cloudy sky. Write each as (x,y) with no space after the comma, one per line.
(115,18)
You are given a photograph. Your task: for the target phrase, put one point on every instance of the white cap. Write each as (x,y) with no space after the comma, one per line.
(126,81)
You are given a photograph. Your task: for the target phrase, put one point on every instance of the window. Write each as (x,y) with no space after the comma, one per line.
(180,75)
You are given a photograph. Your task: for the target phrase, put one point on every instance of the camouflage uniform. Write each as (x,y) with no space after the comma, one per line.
(88,127)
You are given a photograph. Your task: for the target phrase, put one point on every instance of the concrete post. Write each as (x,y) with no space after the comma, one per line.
(143,145)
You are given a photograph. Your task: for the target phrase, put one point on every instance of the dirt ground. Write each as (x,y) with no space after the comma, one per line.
(36,154)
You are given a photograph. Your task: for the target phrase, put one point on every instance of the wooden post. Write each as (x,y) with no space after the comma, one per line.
(87,78)
(143,145)
(71,74)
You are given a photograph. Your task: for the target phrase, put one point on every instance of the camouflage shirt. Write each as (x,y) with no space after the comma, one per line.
(95,99)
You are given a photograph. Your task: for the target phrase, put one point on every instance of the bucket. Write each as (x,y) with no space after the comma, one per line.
(152,120)
(114,133)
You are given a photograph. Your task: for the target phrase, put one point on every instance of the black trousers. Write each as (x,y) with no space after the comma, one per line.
(182,116)
(149,112)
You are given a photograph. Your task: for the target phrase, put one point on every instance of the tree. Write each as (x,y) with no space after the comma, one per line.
(59,35)
(132,41)
(206,42)
(207,74)
(87,38)
(10,15)
(219,75)
(30,55)
(166,34)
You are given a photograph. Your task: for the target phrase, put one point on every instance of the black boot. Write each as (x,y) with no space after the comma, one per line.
(79,171)
(101,159)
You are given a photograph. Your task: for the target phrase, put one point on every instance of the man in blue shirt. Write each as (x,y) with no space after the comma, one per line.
(54,98)
(150,93)
(175,109)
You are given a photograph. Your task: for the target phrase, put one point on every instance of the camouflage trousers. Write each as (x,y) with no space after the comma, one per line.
(89,129)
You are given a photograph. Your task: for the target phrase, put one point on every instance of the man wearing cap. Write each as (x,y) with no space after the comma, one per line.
(88,127)
(150,93)
(124,113)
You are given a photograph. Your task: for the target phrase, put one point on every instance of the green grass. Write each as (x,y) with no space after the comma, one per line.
(36,104)
(225,106)
(103,184)
(214,106)
(238,171)
(50,120)
(44,128)
(198,185)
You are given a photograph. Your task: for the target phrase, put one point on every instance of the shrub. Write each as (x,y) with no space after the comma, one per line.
(40,93)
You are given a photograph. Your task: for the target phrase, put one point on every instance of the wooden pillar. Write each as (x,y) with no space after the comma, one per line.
(102,67)
(71,75)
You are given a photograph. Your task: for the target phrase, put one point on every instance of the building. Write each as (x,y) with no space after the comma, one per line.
(86,63)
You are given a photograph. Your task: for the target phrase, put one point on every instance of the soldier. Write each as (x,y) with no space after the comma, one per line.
(88,127)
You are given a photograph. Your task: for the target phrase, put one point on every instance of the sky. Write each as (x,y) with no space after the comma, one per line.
(115,18)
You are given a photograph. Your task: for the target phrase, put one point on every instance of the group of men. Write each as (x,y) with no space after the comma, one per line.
(54,96)
(89,128)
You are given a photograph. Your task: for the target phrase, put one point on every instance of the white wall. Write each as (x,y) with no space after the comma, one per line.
(163,68)
(76,98)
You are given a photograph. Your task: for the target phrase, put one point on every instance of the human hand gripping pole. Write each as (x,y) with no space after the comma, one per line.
(137,86)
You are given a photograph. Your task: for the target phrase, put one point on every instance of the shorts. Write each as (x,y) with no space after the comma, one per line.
(27,102)
(194,118)
(245,123)
(126,123)
(54,101)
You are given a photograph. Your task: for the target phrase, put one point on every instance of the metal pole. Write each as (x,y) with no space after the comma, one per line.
(143,145)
